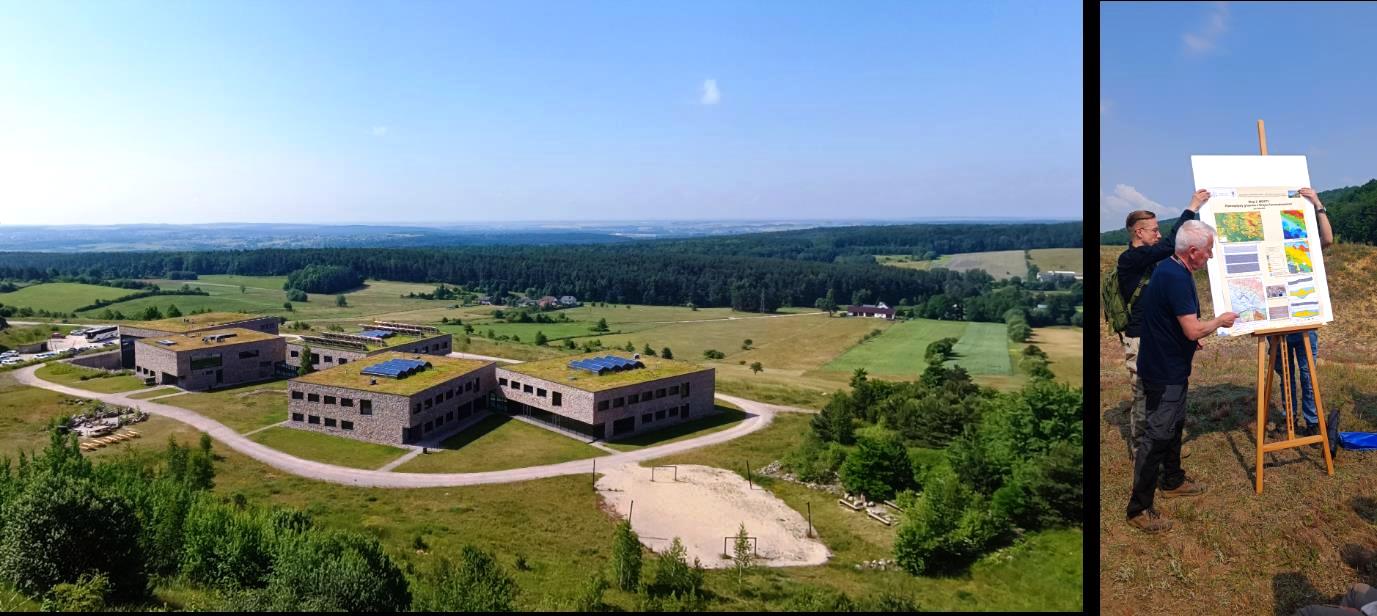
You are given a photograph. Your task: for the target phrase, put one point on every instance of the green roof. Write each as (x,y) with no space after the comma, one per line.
(196,341)
(351,375)
(195,321)
(558,371)
(386,343)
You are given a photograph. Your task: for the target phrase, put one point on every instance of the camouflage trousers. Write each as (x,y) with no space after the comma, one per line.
(1138,412)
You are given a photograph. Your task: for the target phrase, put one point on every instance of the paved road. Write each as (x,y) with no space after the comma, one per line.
(762,415)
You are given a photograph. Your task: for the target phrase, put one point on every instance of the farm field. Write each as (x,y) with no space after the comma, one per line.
(983,349)
(60,296)
(264,295)
(243,408)
(101,381)
(328,449)
(498,442)
(1000,263)
(1061,259)
(1065,349)
(899,350)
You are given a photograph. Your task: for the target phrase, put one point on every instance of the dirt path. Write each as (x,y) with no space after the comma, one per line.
(760,416)
(702,507)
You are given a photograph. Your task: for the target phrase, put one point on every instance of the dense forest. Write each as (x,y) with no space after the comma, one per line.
(1352,213)
(746,272)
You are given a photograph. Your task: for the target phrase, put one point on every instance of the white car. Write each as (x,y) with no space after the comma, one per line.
(10,361)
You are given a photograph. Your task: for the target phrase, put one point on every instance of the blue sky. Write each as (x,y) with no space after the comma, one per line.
(193,112)
(1183,79)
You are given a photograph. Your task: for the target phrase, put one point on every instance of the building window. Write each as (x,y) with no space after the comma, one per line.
(296,395)
(684,410)
(555,399)
(425,349)
(684,391)
(659,415)
(313,397)
(526,389)
(439,421)
(297,417)
(502,381)
(631,399)
(660,393)
(343,361)
(674,412)
(329,422)
(449,395)
(347,425)
(540,393)
(673,390)
(365,407)
(417,409)
(296,353)
(428,402)
(477,382)
(346,402)
(449,416)
(602,406)
(329,399)
(248,354)
(313,419)
(645,419)
(265,364)
(430,425)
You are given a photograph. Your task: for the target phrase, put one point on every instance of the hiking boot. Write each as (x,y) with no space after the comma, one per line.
(1187,488)
(1150,522)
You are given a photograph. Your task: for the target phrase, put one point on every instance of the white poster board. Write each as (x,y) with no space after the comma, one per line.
(1267,264)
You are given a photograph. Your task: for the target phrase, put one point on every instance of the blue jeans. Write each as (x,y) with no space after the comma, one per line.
(1301,395)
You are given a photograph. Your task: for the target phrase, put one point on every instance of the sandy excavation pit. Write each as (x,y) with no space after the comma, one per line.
(705,505)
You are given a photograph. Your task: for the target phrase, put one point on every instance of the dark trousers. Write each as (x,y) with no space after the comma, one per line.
(1158,454)
(1358,596)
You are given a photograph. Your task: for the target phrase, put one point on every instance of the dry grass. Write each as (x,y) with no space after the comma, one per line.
(1306,538)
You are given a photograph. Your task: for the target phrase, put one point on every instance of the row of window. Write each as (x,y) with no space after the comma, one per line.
(149,372)
(330,359)
(470,385)
(365,406)
(464,411)
(329,421)
(681,390)
(678,411)
(556,398)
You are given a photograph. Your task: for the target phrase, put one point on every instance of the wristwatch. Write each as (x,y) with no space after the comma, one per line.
(1320,210)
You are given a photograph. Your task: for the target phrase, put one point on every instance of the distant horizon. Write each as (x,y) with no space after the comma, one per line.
(627,221)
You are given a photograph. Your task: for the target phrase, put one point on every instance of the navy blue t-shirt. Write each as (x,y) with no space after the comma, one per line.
(1165,353)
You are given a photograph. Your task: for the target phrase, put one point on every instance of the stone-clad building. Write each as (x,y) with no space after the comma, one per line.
(208,359)
(329,349)
(368,401)
(615,396)
(129,332)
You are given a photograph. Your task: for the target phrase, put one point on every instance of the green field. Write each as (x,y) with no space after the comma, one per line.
(99,381)
(727,418)
(900,349)
(243,408)
(498,442)
(161,391)
(984,349)
(1060,259)
(327,448)
(908,262)
(61,296)
(1000,263)
(264,295)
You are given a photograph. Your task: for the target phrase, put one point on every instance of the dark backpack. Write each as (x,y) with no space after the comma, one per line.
(1116,311)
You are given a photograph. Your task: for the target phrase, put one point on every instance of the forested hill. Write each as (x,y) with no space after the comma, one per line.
(828,244)
(1352,213)
(717,272)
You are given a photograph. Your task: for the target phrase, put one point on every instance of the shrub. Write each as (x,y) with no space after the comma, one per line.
(87,594)
(590,594)
(329,571)
(476,583)
(296,295)
(713,354)
(948,528)
(814,460)
(225,548)
(878,468)
(626,557)
(674,576)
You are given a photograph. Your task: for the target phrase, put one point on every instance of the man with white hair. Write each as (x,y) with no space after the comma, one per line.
(1172,331)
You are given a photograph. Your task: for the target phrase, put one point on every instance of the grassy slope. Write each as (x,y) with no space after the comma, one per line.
(13,336)
(327,448)
(264,295)
(1061,259)
(243,408)
(60,296)
(498,442)
(70,375)
(1301,541)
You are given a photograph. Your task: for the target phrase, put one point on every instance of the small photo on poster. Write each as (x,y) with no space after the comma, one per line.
(1301,288)
(1277,312)
(1239,226)
(1305,310)
(1276,290)
(1298,258)
(1293,224)
(1293,194)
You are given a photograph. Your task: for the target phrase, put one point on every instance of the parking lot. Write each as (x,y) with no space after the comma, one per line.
(63,346)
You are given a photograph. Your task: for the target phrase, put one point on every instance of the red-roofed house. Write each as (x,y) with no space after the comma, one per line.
(880,312)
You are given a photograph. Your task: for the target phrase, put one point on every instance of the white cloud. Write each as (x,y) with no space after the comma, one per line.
(710,94)
(379,131)
(1115,208)
(1204,39)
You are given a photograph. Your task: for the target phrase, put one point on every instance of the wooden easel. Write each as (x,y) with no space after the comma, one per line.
(1265,361)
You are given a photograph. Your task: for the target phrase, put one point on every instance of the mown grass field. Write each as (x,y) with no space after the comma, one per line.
(899,350)
(243,408)
(60,296)
(1307,536)
(264,295)
(498,442)
(1000,263)
(327,448)
(1060,259)
(99,381)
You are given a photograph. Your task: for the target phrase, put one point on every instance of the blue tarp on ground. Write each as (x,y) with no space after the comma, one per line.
(1360,441)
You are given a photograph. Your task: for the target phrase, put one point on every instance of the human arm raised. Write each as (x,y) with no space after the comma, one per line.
(1322,216)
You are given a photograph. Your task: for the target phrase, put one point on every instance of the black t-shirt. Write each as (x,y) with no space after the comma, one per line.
(1165,353)
(1135,262)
